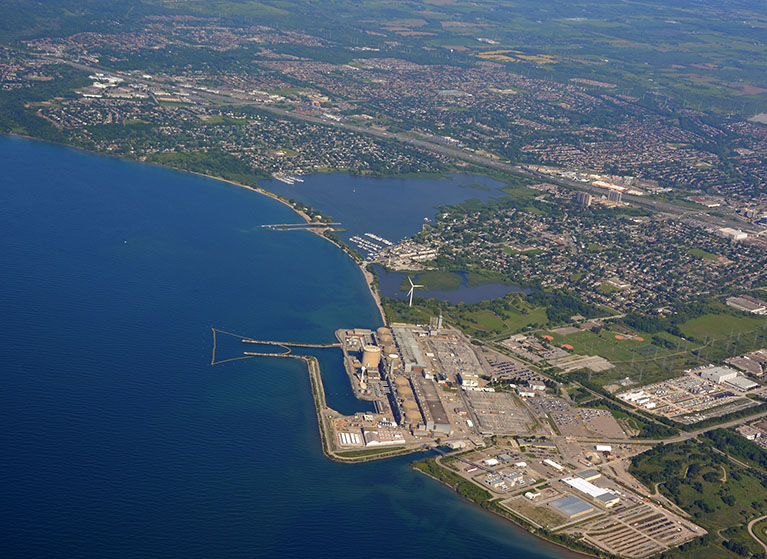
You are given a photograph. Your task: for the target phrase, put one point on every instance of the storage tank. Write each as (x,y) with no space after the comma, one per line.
(385,339)
(371,356)
(401,382)
(405,393)
(382,331)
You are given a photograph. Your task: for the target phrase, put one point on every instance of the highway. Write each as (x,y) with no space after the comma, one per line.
(434,147)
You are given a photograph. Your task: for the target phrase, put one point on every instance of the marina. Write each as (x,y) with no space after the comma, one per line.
(369,247)
(287,179)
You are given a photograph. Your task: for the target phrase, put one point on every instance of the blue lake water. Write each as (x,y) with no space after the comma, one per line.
(120,440)
(392,208)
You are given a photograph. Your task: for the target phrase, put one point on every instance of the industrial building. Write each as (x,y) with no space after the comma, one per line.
(382,437)
(431,406)
(411,353)
(741,383)
(571,507)
(469,380)
(732,234)
(607,498)
(554,465)
(754,362)
(371,357)
(746,303)
(349,439)
(719,374)
(589,475)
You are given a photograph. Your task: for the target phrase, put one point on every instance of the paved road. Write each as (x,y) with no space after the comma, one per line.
(684,436)
(432,146)
(751,531)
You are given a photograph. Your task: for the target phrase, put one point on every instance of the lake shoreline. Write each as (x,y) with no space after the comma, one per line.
(576,553)
(320,231)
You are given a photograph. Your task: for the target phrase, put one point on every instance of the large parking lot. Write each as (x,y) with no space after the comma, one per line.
(577,422)
(680,396)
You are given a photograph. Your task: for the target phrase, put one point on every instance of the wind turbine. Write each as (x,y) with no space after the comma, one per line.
(413,287)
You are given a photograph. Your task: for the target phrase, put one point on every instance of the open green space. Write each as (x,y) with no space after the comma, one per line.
(462,486)
(700,253)
(723,326)
(434,280)
(607,288)
(660,354)
(529,252)
(445,280)
(760,530)
(720,495)
(482,320)
(605,343)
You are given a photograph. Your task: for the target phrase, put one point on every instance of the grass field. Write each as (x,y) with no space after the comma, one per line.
(474,320)
(648,357)
(608,346)
(529,252)
(722,326)
(606,288)
(446,280)
(700,253)
(434,279)
(719,495)
(760,530)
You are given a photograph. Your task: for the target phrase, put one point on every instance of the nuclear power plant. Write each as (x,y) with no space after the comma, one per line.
(391,369)
(371,357)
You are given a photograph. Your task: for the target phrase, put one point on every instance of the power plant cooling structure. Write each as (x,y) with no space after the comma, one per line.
(371,357)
